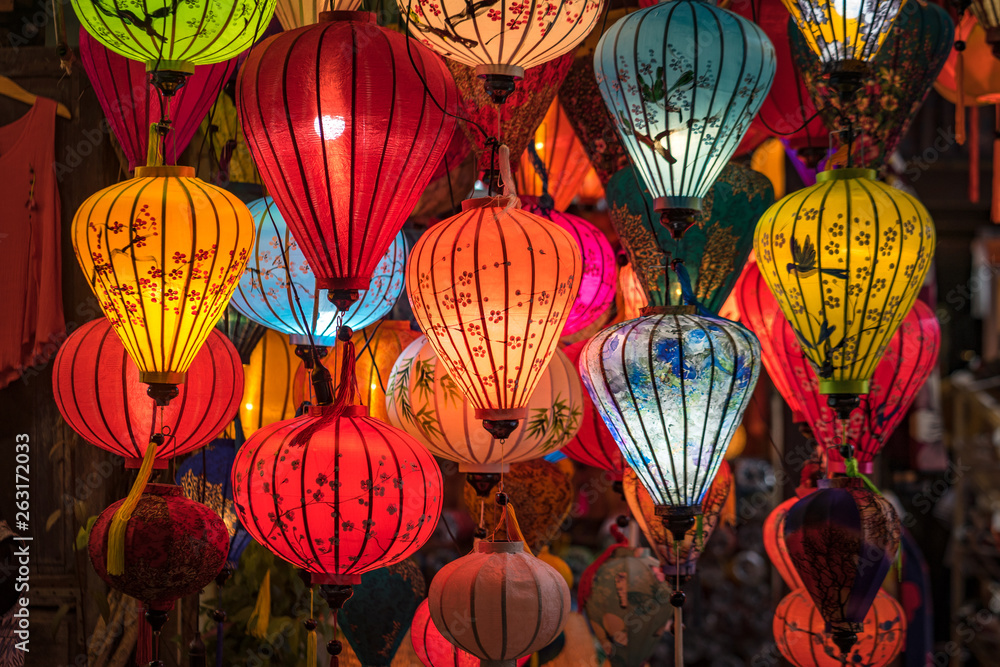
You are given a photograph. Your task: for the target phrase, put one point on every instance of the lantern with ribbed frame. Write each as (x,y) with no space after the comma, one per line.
(269,393)
(98,392)
(845,259)
(163,252)
(499,603)
(562,157)
(241,331)
(593,444)
(492,287)
(294,14)
(346,148)
(774,543)
(432,649)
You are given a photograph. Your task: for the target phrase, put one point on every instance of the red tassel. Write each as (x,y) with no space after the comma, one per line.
(960,102)
(995,208)
(144,646)
(974,155)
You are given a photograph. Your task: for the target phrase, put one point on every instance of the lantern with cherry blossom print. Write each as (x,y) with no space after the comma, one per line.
(492,287)
(345,149)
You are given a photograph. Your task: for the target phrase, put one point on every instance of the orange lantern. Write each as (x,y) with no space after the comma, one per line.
(565,163)
(800,633)
(774,543)
(492,288)
(633,296)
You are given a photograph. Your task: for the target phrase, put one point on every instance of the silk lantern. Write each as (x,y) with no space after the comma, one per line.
(714,249)
(542,496)
(597,278)
(162,252)
(493,287)
(373,628)
(845,258)
(294,14)
(761,313)
(345,149)
(432,649)
(977,81)
(172,37)
(423,399)
(899,80)
(499,603)
(504,40)
(672,388)
(269,395)
(593,444)
(563,161)
(281,291)
(774,542)
(680,558)
(516,121)
(241,331)
(842,539)
(900,374)
(131,104)
(98,392)
(628,605)
(987,12)
(683,79)
(799,632)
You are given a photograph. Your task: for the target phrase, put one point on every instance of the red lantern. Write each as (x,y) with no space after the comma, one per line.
(433,650)
(774,543)
(800,633)
(907,361)
(131,104)
(593,445)
(98,392)
(345,144)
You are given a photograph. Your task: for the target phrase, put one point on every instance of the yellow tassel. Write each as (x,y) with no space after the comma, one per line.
(154,154)
(311,649)
(260,618)
(119,522)
(534,660)
(517,529)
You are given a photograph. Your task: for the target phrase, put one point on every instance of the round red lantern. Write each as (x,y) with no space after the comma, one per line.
(593,444)
(432,649)
(800,633)
(499,603)
(345,144)
(98,392)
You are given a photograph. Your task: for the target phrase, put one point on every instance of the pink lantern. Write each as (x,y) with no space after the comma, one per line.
(132,104)
(593,444)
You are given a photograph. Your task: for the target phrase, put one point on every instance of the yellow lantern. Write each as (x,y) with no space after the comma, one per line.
(268,387)
(163,252)
(845,258)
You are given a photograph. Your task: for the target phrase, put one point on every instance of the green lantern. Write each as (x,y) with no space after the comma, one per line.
(714,249)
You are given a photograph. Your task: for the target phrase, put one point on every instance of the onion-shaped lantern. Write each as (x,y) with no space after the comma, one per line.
(672,388)
(241,331)
(280,290)
(492,287)
(842,539)
(98,392)
(501,39)
(593,445)
(563,161)
(845,258)
(292,14)
(800,633)
(163,252)
(904,367)
(432,649)
(346,148)
(683,79)
(499,603)
(424,400)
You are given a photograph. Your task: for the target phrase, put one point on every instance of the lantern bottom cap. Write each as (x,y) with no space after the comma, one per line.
(512,71)
(483,662)
(317,341)
(682,203)
(487,468)
(843,387)
(159,65)
(501,413)
(335,579)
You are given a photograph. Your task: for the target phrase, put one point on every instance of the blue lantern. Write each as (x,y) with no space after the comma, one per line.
(278,289)
(672,388)
(683,79)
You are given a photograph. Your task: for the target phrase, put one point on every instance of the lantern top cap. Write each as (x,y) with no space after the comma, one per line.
(164,171)
(498,201)
(356,17)
(844,174)
(841,483)
(486,547)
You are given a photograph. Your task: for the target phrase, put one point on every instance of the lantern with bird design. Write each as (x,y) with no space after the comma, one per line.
(683,79)
(845,259)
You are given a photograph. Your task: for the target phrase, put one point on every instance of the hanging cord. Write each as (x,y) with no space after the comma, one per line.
(687,292)
(310,625)
(677,601)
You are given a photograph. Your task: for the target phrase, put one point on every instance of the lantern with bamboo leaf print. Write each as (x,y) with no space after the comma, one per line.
(492,287)
(280,290)
(163,252)
(501,38)
(98,392)
(683,79)
(904,366)
(345,149)
(335,492)
(845,259)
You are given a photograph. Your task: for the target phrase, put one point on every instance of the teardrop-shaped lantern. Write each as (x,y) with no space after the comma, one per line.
(492,287)
(280,290)
(269,393)
(593,445)
(842,539)
(163,252)
(683,79)
(501,39)
(845,258)
(373,628)
(561,156)
(345,145)
(672,388)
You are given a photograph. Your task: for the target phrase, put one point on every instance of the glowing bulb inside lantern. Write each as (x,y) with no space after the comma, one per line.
(331,128)
(249,406)
(539,145)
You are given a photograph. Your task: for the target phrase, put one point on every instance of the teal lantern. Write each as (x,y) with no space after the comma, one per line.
(380,611)
(278,288)
(683,79)
(672,388)
(713,250)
